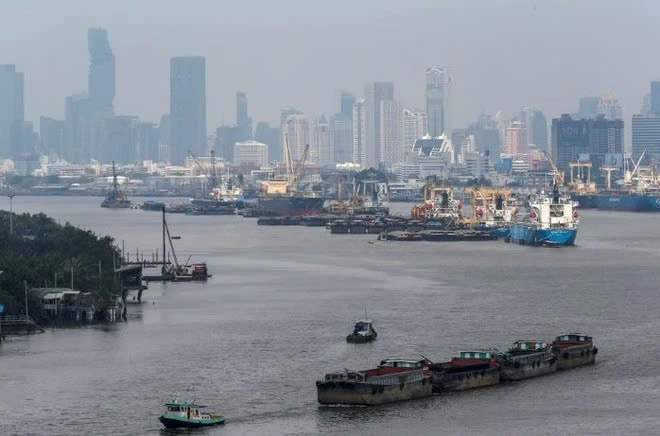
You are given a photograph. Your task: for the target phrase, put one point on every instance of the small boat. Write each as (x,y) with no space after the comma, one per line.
(471,369)
(574,349)
(182,414)
(527,359)
(393,380)
(362,332)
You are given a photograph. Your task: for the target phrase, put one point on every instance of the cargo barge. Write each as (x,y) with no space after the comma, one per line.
(393,380)
(526,359)
(470,370)
(573,350)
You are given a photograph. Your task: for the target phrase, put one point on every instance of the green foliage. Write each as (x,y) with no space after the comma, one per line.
(40,248)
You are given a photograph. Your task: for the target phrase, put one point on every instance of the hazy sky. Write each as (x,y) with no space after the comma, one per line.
(502,54)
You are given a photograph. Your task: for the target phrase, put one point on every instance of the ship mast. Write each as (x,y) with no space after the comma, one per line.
(115,184)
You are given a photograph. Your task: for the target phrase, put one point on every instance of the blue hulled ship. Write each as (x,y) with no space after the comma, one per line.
(493,210)
(553,221)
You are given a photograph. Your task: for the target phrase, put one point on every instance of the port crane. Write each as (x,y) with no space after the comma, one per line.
(294,174)
(628,174)
(557,176)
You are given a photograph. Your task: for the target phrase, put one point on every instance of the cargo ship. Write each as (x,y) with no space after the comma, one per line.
(526,359)
(631,201)
(573,350)
(471,369)
(440,209)
(116,199)
(393,380)
(493,210)
(280,197)
(553,221)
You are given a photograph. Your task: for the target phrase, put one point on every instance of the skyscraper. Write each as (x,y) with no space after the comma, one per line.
(341,135)
(285,112)
(596,137)
(187,106)
(537,127)
(297,129)
(53,134)
(322,151)
(654,103)
(437,97)
(79,127)
(391,146)
(346,104)
(271,137)
(243,122)
(375,94)
(12,113)
(609,106)
(646,134)
(516,138)
(101,82)
(164,139)
(415,125)
(588,107)
(360,132)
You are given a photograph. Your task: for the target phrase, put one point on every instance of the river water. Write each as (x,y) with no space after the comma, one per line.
(252,341)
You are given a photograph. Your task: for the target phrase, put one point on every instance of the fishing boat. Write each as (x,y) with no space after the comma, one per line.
(116,199)
(182,414)
(363,331)
(574,349)
(471,369)
(393,380)
(526,359)
(553,221)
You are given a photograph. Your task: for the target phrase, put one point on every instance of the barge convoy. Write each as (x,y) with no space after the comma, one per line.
(406,379)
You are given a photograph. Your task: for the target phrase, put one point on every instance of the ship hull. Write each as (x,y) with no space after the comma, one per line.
(634,203)
(291,206)
(520,369)
(527,234)
(365,394)
(464,380)
(585,201)
(170,422)
(574,357)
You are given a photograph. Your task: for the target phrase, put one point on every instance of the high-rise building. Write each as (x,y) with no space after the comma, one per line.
(118,139)
(588,107)
(187,107)
(609,107)
(53,134)
(79,127)
(321,149)
(646,134)
(101,83)
(654,101)
(271,137)
(147,141)
(164,139)
(341,136)
(12,113)
(243,122)
(360,132)
(515,139)
(391,143)
(537,127)
(375,94)
(285,112)
(297,130)
(250,153)
(415,126)
(595,137)
(486,134)
(437,98)
(225,138)
(346,104)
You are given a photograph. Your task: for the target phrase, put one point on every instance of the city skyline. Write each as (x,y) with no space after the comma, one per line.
(479,82)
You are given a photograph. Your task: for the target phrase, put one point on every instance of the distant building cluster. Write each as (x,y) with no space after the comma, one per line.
(375,129)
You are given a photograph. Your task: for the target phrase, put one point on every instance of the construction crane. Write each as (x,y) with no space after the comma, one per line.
(628,175)
(558,176)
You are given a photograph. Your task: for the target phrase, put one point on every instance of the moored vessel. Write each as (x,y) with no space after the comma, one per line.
(574,349)
(553,221)
(393,380)
(526,359)
(471,369)
(116,199)
(183,414)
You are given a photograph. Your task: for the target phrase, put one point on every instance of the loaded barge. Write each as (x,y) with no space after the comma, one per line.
(573,350)
(393,380)
(471,369)
(527,359)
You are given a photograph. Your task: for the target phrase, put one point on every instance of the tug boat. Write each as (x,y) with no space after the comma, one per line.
(182,414)
(363,332)
(574,349)
(526,359)
(471,369)
(393,380)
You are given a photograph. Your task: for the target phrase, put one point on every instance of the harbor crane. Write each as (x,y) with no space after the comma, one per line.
(557,176)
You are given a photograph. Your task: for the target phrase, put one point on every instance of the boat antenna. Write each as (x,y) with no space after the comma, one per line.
(365,313)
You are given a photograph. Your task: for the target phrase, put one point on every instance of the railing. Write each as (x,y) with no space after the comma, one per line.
(18,320)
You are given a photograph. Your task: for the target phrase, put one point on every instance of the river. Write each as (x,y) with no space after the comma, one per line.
(273,319)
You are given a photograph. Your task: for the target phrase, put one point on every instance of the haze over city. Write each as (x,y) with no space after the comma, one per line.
(501,55)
